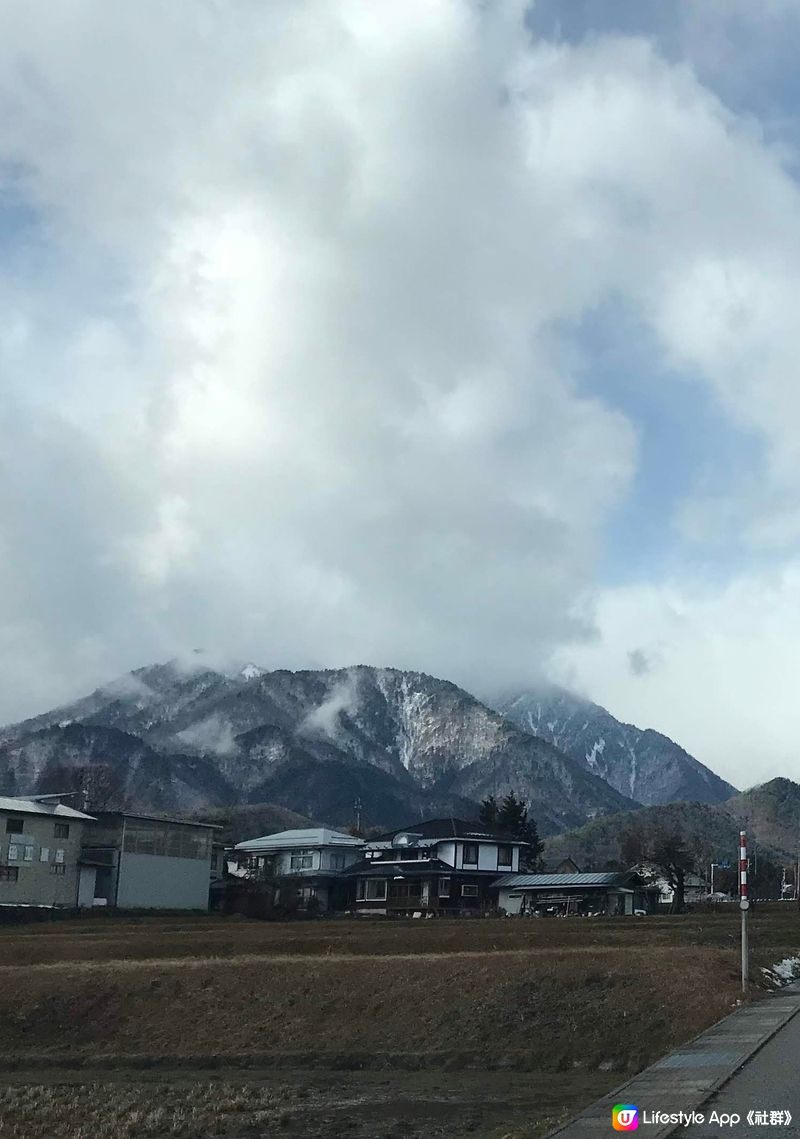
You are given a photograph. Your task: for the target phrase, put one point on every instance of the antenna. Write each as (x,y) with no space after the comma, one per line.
(357,805)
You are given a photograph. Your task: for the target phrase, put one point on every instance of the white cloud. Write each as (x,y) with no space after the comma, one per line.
(723,679)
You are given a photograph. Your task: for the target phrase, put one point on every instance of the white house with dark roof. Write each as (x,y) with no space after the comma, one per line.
(439,866)
(310,863)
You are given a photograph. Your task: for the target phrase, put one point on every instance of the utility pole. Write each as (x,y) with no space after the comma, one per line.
(357,809)
(744,906)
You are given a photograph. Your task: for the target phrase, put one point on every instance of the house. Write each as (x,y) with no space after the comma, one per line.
(581,894)
(442,866)
(695,889)
(40,845)
(306,866)
(146,862)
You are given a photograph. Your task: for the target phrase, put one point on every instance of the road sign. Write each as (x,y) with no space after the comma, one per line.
(744,904)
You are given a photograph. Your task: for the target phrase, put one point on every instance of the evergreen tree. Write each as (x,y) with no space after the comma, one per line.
(510,817)
(488,813)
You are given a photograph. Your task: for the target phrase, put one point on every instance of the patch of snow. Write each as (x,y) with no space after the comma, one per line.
(598,747)
(632,779)
(251,671)
(65,723)
(782,972)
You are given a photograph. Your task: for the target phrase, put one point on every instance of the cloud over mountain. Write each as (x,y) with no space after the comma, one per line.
(294,339)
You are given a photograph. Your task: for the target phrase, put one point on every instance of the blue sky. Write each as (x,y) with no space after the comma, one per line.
(314,351)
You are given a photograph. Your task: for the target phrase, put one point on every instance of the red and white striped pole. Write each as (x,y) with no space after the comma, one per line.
(744,906)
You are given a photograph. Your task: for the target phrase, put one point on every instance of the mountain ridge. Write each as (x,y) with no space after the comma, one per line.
(641,763)
(313,741)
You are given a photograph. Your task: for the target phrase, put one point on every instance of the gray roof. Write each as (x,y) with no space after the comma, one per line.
(309,836)
(531,881)
(105,816)
(32,807)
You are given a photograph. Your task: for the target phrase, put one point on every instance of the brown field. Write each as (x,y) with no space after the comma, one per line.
(211,1026)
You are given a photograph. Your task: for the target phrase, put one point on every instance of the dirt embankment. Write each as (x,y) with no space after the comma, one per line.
(552,1010)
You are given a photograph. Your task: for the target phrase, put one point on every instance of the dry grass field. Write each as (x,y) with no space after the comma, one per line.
(210,1026)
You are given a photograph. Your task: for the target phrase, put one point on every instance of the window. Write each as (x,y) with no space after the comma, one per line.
(9,873)
(58,868)
(469,891)
(14,826)
(59,856)
(444,887)
(29,854)
(337,862)
(13,852)
(61,830)
(44,854)
(150,836)
(470,856)
(411,889)
(505,855)
(302,860)
(371,890)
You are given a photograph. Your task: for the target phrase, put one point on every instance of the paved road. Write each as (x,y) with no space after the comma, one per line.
(753,1056)
(770,1081)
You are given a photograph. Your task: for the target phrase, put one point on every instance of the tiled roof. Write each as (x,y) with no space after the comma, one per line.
(449,828)
(530,881)
(309,836)
(32,807)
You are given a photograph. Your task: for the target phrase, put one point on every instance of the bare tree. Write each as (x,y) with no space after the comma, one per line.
(96,786)
(668,851)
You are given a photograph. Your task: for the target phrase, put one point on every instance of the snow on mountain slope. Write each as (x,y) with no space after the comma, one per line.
(405,743)
(641,763)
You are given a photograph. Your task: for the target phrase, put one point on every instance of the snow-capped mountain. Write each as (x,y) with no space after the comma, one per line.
(403,743)
(641,763)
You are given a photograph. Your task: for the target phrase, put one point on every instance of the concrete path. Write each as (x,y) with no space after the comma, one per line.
(724,1070)
(768,1083)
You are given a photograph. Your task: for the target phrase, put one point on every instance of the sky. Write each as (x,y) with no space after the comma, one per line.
(454,335)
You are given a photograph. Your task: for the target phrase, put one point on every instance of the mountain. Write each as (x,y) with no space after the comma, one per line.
(254,820)
(405,744)
(769,813)
(639,762)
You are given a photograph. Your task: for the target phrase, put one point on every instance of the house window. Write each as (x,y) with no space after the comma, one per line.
(444,887)
(371,890)
(13,852)
(504,856)
(59,856)
(302,860)
(470,857)
(14,826)
(44,854)
(469,891)
(337,862)
(61,830)
(411,889)
(9,873)
(58,868)
(29,854)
